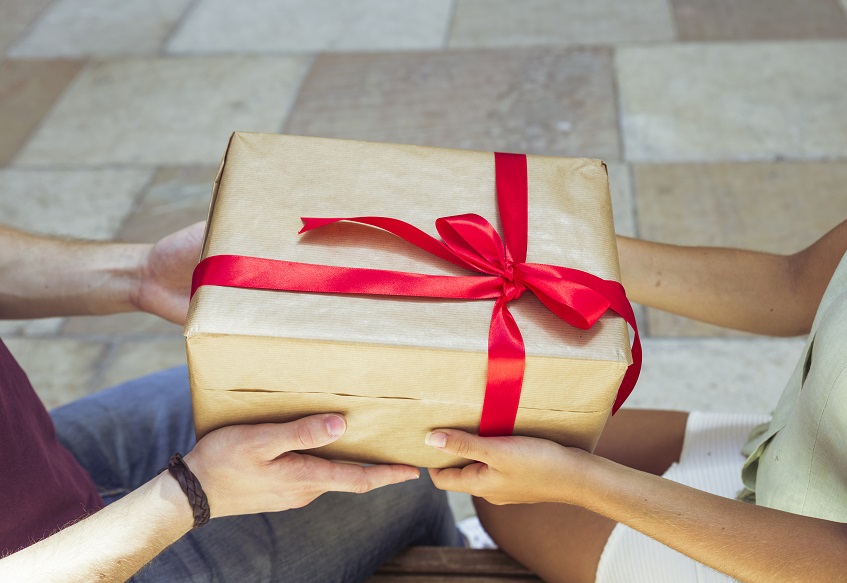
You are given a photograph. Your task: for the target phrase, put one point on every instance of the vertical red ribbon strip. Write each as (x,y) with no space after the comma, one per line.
(469,241)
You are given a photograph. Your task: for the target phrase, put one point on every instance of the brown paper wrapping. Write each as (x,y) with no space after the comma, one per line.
(395,367)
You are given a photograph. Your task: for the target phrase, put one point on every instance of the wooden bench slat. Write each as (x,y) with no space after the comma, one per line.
(446,578)
(477,565)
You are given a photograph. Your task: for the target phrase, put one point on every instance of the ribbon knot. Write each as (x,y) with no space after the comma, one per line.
(471,242)
(512,287)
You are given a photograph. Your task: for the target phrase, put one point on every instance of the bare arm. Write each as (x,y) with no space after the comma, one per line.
(43,277)
(112,544)
(757,292)
(243,469)
(748,542)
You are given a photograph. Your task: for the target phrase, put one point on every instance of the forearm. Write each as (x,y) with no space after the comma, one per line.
(110,545)
(43,277)
(748,542)
(764,293)
(745,290)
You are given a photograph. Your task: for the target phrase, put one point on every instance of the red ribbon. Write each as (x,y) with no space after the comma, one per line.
(468,241)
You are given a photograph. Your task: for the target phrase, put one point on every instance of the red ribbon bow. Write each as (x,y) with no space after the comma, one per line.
(469,241)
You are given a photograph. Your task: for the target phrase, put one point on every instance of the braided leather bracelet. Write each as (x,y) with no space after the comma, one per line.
(192,488)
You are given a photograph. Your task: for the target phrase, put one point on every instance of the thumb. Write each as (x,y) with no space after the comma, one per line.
(310,432)
(461,444)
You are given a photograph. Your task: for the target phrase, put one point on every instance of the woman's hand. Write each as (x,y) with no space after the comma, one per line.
(511,470)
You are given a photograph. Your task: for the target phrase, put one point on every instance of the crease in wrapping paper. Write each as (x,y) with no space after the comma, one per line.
(379,397)
(394,431)
(332,367)
(253,338)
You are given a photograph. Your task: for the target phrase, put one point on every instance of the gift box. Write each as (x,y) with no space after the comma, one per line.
(377,318)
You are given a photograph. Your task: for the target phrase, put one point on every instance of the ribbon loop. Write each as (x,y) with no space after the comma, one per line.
(473,239)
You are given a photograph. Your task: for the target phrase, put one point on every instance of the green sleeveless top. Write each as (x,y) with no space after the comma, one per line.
(798,461)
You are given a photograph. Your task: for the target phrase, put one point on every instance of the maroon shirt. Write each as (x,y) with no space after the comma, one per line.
(42,486)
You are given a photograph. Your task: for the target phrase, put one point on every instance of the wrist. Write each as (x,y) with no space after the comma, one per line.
(580,473)
(175,509)
(114,274)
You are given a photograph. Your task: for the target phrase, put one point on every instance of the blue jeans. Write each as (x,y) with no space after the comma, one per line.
(123,436)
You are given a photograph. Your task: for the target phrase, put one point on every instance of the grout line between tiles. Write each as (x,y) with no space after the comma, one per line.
(618,107)
(28,28)
(177,26)
(451,22)
(86,65)
(295,100)
(136,201)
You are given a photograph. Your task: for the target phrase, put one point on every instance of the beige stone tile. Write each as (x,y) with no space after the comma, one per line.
(778,207)
(87,204)
(28,89)
(175,198)
(18,15)
(120,325)
(716,102)
(505,23)
(715,374)
(165,111)
(623,206)
(61,370)
(100,27)
(710,20)
(544,101)
(135,358)
(220,26)
(39,327)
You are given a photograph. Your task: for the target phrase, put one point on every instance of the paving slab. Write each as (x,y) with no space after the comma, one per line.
(131,359)
(272,26)
(505,23)
(710,374)
(18,16)
(164,111)
(71,28)
(543,101)
(175,198)
(28,90)
(733,101)
(60,370)
(85,204)
(746,20)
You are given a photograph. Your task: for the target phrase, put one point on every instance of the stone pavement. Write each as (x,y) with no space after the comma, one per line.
(724,122)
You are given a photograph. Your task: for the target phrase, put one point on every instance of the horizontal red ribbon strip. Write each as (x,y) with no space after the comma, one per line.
(468,241)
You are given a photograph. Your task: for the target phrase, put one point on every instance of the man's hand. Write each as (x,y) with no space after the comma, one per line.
(245,469)
(165,274)
(510,470)
(42,277)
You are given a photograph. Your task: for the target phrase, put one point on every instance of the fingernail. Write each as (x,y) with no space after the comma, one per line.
(335,425)
(413,477)
(436,439)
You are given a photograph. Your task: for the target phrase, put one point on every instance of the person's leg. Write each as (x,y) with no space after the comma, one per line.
(564,543)
(124,435)
(337,538)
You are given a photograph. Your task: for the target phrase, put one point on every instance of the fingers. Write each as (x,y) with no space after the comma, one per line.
(274,439)
(461,444)
(326,476)
(361,479)
(464,479)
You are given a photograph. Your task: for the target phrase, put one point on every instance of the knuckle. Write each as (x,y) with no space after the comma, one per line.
(361,487)
(463,447)
(305,437)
